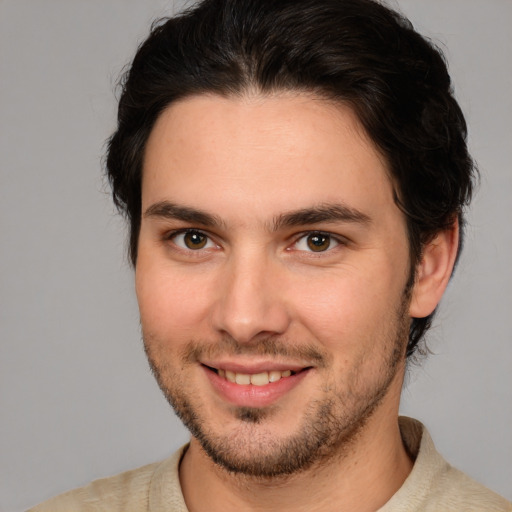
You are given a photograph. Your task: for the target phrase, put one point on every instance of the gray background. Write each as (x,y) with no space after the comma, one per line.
(77,400)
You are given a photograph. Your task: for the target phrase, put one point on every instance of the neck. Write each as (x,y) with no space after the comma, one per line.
(363,477)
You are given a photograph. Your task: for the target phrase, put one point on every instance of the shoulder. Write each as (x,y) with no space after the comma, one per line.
(454,490)
(126,492)
(434,485)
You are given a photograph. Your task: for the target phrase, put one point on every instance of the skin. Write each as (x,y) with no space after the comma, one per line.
(257,295)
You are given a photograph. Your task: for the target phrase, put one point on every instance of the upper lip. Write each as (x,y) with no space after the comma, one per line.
(252,368)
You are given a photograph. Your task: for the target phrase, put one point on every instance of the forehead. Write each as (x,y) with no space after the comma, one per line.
(256,152)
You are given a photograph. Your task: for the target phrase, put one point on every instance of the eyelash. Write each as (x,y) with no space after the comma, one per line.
(338,240)
(188,231)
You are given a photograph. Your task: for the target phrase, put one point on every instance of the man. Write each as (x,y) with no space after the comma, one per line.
(294,174)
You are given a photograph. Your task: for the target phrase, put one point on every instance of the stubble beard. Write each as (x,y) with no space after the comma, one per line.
(329,426)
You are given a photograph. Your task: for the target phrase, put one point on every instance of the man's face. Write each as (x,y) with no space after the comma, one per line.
(271,253)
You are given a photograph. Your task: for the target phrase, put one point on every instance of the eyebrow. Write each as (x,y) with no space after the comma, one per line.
(325,212)
(171,211)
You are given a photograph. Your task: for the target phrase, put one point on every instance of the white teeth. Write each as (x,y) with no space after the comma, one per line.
(274,376)
(260,379)
(242,378)
(256,379)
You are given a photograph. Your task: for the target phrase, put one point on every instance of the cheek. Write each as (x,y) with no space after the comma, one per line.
(171,303)
(347,311)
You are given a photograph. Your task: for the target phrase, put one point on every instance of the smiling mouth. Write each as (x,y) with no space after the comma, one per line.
(256,379)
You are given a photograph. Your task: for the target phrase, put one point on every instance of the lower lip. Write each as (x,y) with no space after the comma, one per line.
(254,396)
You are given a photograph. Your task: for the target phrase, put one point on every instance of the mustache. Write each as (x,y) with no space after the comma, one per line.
(272,346)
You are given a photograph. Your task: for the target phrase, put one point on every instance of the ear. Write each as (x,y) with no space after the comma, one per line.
(434,271)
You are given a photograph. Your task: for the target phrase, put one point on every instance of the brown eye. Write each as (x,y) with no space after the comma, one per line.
(194,240)
(318,242)
(191,240)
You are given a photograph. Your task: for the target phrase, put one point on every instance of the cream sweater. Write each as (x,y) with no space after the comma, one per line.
(432,486)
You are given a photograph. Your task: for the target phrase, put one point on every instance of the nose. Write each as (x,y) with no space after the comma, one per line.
(251,299)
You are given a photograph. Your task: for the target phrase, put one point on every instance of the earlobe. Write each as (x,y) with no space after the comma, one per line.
(433,271)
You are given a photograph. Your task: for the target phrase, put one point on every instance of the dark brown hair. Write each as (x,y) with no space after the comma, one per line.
(352,51)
